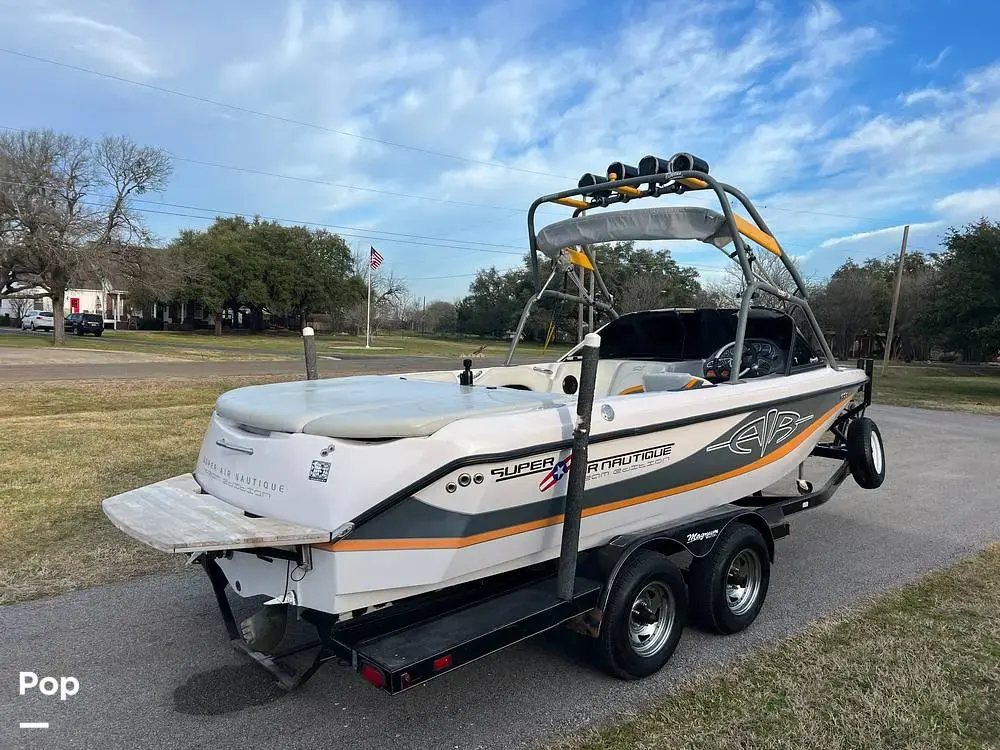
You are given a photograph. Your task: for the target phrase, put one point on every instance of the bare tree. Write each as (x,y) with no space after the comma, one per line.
(66,212)
(767,267)
(21,305)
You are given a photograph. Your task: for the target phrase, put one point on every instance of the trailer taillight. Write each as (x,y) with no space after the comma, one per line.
(373,675)
(442,662)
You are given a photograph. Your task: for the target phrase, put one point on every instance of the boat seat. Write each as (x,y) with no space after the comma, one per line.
(674,381)
(670,381)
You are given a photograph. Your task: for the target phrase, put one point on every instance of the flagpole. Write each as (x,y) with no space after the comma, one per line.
(368,327)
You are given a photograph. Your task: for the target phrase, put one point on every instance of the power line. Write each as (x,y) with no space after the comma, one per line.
(221,212)
(330,183)
(438,199)
(245,214)
(316,181)
(820,213)
(455,276)
(272,116)
(313,223)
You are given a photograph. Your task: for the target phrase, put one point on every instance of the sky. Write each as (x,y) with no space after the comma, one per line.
(426,128)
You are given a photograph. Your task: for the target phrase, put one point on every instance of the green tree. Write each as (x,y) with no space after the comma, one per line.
(637,278)
(265,266)
(643,279)
(964,313)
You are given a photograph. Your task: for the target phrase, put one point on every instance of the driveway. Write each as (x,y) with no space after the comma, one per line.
(155,669)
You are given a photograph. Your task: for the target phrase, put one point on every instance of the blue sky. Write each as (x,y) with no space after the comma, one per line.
(843,121)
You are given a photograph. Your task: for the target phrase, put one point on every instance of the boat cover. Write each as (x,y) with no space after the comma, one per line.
(376,406)
(657,223)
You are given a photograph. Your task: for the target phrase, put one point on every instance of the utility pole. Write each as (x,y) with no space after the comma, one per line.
(895,301)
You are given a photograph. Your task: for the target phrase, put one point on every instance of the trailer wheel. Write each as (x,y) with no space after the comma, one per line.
(728,585)
(865,453)
(644,616)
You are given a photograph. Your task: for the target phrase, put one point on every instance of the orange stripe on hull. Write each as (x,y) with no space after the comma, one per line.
(376,545)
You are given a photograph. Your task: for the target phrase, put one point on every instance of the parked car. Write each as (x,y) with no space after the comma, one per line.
(81,323)
(37,320)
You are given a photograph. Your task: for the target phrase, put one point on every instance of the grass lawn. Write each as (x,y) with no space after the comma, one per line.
(70,446)
(382,345)
(953,387)
(917,669)
(205,345)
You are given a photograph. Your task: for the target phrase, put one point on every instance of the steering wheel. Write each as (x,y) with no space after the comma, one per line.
(718,368)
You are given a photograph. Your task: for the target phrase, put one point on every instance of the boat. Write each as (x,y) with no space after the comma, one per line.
(345,495)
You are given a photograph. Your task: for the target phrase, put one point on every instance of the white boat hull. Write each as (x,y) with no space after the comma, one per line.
(479,496)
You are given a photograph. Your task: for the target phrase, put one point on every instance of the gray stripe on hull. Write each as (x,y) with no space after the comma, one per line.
(414,519)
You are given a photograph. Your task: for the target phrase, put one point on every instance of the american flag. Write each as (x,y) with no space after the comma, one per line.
(376,259)
(551,479)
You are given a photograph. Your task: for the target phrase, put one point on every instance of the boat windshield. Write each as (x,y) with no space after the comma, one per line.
(679,335)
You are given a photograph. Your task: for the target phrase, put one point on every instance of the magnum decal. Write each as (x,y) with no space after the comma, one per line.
(769,429)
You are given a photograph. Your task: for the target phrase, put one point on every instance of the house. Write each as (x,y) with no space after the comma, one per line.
(103,298)
(85,296)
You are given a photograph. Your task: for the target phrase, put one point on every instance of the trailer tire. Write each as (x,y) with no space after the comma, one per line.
(644,617)
(865,453)
(728,585)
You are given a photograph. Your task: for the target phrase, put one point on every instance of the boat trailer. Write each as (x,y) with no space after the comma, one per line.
(409,642)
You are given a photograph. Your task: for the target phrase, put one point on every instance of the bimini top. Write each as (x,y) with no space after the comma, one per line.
(656,223)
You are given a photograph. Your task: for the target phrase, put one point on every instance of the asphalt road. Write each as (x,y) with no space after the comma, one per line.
(156,671)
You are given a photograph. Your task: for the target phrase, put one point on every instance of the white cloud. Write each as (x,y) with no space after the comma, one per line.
(827,46)
(768,97)
(928,95)
(970,204)
(110,43)
(959,135)
(878,234)
(936,62)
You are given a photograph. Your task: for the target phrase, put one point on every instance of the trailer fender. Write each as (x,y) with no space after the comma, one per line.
(697,538)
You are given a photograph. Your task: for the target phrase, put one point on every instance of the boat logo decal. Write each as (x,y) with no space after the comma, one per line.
(599,468)
(700,536)
(551,479)
(522,468)
(246,483)
(319,471)
(769,429)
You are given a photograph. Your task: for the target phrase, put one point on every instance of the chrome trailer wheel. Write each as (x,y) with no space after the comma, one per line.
(651,619)
(644,616)
(729,584)
(743,581)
